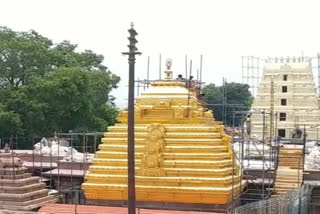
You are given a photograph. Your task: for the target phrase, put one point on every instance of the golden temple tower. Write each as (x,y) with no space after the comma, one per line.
(182,154)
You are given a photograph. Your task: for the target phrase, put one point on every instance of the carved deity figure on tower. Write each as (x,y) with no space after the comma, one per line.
(152,160)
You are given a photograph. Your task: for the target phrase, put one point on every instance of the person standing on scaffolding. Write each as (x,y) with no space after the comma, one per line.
(248,124)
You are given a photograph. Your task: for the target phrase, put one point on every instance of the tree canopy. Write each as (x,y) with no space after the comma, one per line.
(237,97)
(47,87)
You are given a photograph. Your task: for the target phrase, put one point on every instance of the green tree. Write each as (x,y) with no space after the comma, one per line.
(72,99)
(237,97)
(46,87)
(22,54)
(10,122)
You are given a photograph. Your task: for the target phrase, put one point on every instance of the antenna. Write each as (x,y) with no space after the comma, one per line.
(160,66)
(200,72)
(138,87)
(198,76)
(223,100)
(186,65)
(190,72)
(189,86)
(148,70)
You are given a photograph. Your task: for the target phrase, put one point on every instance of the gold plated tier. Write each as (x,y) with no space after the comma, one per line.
(182,154)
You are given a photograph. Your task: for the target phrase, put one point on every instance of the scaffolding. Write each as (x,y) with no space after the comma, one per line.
(257,196)
(252,70)
(264,161)
(67,181)
(63,174)
(296,202)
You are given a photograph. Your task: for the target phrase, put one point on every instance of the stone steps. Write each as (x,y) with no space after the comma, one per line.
(285,170)
(18,189)
(19,176)
(289,174)
(167,141)
(167,156)
(197,164)
(30,205)
(211,135)
(200,164)
(159,189)
(12,171)
(288,180)
(19,182)
(195,148)
(167,149)
(122,170)
(174,128)
(23,197)
(22,189)
(167,181)
(193,141)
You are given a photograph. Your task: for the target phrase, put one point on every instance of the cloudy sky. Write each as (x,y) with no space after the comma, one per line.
(222,31)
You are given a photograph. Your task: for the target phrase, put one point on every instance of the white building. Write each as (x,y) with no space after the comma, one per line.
(295,99)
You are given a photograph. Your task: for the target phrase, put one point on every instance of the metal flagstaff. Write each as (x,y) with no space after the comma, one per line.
(133,51)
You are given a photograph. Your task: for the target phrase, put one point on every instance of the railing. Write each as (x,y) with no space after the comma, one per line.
(295,202)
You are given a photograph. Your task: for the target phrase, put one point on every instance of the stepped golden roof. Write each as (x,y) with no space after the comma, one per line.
(182,154)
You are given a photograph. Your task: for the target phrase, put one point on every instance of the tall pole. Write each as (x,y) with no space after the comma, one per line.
(304,149)
(318,56)
(263,158)
(133,51)
(242,69)
(197,76)
(258,61)
(225,101)
(271,109)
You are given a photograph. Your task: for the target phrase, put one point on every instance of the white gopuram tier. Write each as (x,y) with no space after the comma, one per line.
(295,99)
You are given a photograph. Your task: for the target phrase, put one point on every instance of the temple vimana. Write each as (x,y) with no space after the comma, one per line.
(19,190)
(182,154)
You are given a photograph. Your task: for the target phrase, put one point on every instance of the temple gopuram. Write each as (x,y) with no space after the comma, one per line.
(182,154)
(295,98)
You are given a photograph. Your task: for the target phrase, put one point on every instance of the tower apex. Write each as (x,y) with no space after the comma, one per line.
(168,71)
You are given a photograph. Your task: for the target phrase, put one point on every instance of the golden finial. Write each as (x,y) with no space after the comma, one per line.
(168,71)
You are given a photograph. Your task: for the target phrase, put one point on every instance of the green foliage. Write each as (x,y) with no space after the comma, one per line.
(46,87)
(10,122)
(238,97)
(22,54)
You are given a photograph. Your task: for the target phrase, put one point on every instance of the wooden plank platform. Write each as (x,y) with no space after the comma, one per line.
(289,174)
